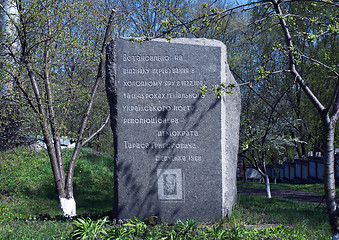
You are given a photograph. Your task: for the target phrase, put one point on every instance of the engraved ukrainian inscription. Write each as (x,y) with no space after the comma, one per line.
(168,139)
(145,74)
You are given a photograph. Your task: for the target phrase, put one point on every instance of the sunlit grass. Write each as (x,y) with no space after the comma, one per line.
(316,188)
(29,207)
(254,217)
(27,185)
(33,229)
(303,216)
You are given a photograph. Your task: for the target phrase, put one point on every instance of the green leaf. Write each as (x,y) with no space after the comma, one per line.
(203,90)
(204,5)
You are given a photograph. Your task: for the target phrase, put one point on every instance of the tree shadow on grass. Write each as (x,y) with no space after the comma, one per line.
(286,211)
(93,188)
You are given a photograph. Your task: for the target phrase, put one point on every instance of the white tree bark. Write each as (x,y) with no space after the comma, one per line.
(68,207)
(268,187)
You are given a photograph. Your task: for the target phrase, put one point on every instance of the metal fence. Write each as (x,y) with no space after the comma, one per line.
(308,169)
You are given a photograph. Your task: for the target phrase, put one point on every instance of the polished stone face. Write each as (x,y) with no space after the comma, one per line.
(176,151)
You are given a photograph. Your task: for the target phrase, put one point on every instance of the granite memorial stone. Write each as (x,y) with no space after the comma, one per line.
(175,151)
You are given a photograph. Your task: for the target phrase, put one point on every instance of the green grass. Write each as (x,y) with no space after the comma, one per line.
(284,219)
(35,230)
(29,202)
(27,186)
(311,188)
(303,217)
(189,230)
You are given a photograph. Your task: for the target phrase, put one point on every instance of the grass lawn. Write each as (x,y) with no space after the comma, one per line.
(27,185)
(311,188)
(305,218)
(29,200)
(29,207)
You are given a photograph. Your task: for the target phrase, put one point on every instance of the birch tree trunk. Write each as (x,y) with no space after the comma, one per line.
(330,193)
(268,187)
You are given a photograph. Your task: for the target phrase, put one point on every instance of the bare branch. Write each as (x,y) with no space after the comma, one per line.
(332,3)
(48,89)
(28,99)
(288,40)
(318,62)
(97,132)
(280,114)
(70,173)
(335,111)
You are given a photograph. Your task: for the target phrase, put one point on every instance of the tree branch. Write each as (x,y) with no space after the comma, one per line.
(71,166)
(335,111)
(288,40)
(97,132)
(29,100)
(318,62)
(48,89)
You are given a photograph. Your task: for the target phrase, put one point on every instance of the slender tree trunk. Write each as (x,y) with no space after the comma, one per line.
(43,118)
(44,113)
(245,170)
(332,207)
(99,143)
(266,179)
(69,201)
(268,187)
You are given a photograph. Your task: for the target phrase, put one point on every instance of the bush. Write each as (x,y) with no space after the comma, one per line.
(136,229)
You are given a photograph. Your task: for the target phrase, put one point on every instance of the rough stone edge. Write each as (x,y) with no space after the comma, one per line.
(190,41)
(230,152)
(229,104)
(223,138)
(110,85)
(194,41)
